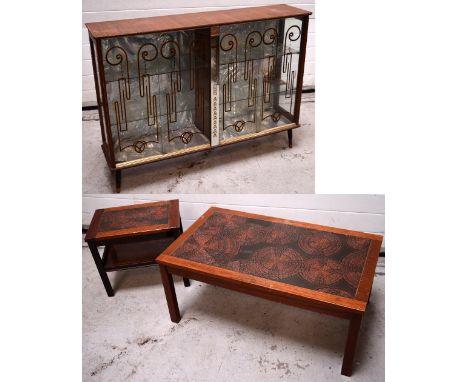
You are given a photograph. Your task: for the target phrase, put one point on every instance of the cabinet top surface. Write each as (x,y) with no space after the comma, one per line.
(314,260)
(133,220)
(106,29)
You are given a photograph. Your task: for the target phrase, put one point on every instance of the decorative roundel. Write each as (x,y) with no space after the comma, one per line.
(355,260)
(275,116)
(186,137)
(236,265)
(201,238)
(357,242)
(139,146)
(234,222)
(227,248)
(281,236)
(239,126)
(352,266)
(321,271)
(352,278)
(322,243)
(192,251)
(249,235)
(275,263)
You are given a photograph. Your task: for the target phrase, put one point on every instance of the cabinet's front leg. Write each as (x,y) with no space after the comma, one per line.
(351,342)
(101,270)
(290,138)
(186,282)
(171,297)
(118,180)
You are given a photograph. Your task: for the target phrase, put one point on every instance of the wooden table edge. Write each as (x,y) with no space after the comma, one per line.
(357,304)
(189,268)
(173,222)
(296,223)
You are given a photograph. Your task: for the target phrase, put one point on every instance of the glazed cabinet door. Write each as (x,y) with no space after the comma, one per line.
(258,68)
(157,93)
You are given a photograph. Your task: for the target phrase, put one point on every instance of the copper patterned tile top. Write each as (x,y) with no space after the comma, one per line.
(137,219)
(134,217)
(310,258)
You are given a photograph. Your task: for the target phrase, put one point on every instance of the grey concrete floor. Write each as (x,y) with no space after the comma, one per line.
(223,335)
(263,165)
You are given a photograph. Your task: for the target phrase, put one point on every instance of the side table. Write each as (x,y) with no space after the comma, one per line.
(132,236)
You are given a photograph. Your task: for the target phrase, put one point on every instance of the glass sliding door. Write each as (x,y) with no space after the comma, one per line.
(157,88)
(258,68)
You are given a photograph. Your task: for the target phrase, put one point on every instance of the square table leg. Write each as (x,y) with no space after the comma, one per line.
(171,297)
(351,342)
(100,266)
(181,230)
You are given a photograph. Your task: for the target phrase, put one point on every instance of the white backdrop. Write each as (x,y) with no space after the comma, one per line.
(359,212)
(102,10)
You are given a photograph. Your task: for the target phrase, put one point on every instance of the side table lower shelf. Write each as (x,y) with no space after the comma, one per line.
(121,256)
(133,255)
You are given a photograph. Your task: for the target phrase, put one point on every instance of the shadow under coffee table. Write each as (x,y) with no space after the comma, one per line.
(323,269)
(132,236)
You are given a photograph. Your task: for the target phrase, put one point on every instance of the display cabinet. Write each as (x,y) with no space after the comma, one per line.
(172,85)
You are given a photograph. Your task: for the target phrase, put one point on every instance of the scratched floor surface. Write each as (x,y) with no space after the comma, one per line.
(223,335)
(264,165)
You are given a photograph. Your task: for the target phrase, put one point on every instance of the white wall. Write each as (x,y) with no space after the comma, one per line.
(101,10)
(358,212)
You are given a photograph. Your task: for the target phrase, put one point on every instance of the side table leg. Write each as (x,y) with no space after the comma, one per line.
(186,282)
(290,138)
(353,333)
(101,270)
(171,297)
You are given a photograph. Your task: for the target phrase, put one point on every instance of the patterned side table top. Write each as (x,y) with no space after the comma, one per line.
(323,259)
(134,220)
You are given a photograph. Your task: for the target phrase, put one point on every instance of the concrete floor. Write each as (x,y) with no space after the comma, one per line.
(264,165)
(223,335)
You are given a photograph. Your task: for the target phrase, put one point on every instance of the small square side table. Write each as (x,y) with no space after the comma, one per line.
(132,236)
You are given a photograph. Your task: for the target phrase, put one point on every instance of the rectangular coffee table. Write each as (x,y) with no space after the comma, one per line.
(323,269)
(132,236)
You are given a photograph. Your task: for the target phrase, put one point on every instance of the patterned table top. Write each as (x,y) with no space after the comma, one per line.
(133,220)
(318,258)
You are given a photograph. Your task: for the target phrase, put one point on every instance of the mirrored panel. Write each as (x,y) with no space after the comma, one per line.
(258,68)
(157,88)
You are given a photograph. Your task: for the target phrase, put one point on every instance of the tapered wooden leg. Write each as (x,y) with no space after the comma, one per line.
(101,270)
(118,180)
(290,138)
(353,333)
(181,230)
(171,297)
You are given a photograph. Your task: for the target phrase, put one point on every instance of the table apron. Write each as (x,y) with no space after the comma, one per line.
(139,238)
(271,295)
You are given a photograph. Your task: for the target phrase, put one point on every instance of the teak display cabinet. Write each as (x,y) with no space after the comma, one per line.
(171,85)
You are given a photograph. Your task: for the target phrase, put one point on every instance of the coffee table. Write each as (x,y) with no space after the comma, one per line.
(132,236)
(323,269)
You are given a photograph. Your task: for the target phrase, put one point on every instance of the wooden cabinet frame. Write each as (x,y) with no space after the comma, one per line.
(165,85)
